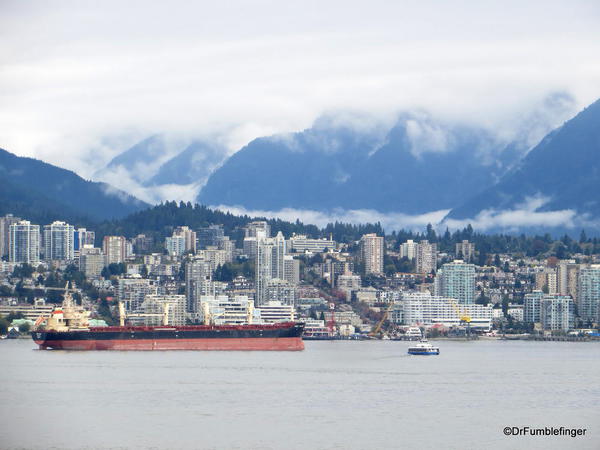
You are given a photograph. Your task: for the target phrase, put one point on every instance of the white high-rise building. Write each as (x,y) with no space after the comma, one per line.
(198,276)
(24,243)
(225,310)
(456,280)
(371,253)
(91,261)
(291,269)
(5,223)
(132,291)
(270,263)
(426,257)
(175,245)
(465,250)
(258,229)
(83,237)
(280,291)
(59,242)
(588,293)
(567,277)
(154,306)
(531,306)
(557,312)
(547,281)
(115,249)
(418,308)
(408,249)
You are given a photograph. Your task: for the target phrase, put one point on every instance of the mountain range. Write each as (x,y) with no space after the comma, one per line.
(158,163)
(419,164)
(561,173)
(41,191)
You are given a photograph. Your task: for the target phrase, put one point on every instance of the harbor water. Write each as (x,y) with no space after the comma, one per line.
(333,395)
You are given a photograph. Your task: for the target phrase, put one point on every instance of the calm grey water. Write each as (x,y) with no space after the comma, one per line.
(334,395)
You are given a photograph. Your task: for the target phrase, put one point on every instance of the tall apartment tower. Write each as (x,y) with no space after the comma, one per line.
(198,275)
(408,249)
(270,263)
(59,242)
(456,280)
(426,257)
(114,249)
(547,281)
(210,236)
(189,237)
(24,243)
(557,312)
(465,250)
(567,276)
(5,223)
(258,229)
(371,253)
(91,261)
(531,306)
(83,237)
(588,293)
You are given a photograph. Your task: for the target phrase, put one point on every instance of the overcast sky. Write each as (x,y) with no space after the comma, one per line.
(79,81)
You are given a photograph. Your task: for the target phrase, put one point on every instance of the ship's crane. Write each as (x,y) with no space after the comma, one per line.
(377,328)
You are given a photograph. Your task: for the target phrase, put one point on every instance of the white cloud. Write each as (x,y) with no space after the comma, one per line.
(358,216)
(73,74)
(526,214)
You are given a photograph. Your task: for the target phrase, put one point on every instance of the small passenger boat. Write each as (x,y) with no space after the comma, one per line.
(423,348)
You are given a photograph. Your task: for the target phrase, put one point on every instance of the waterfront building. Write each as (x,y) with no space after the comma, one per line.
(426,258)
(152,310)
(29,312)
(531,306)
(516,312)
(420,308)
(114,249)
(465,250)
(225,310)
(274,312)
(456,280)
(588,293)
(408,249)
(557,312)
(59,242)
(24,243)
(91,261)
(371,253)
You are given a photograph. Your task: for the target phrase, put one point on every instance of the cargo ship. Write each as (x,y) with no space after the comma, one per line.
(68,328)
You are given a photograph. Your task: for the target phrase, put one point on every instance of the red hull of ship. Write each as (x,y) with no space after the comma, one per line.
(262,344)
